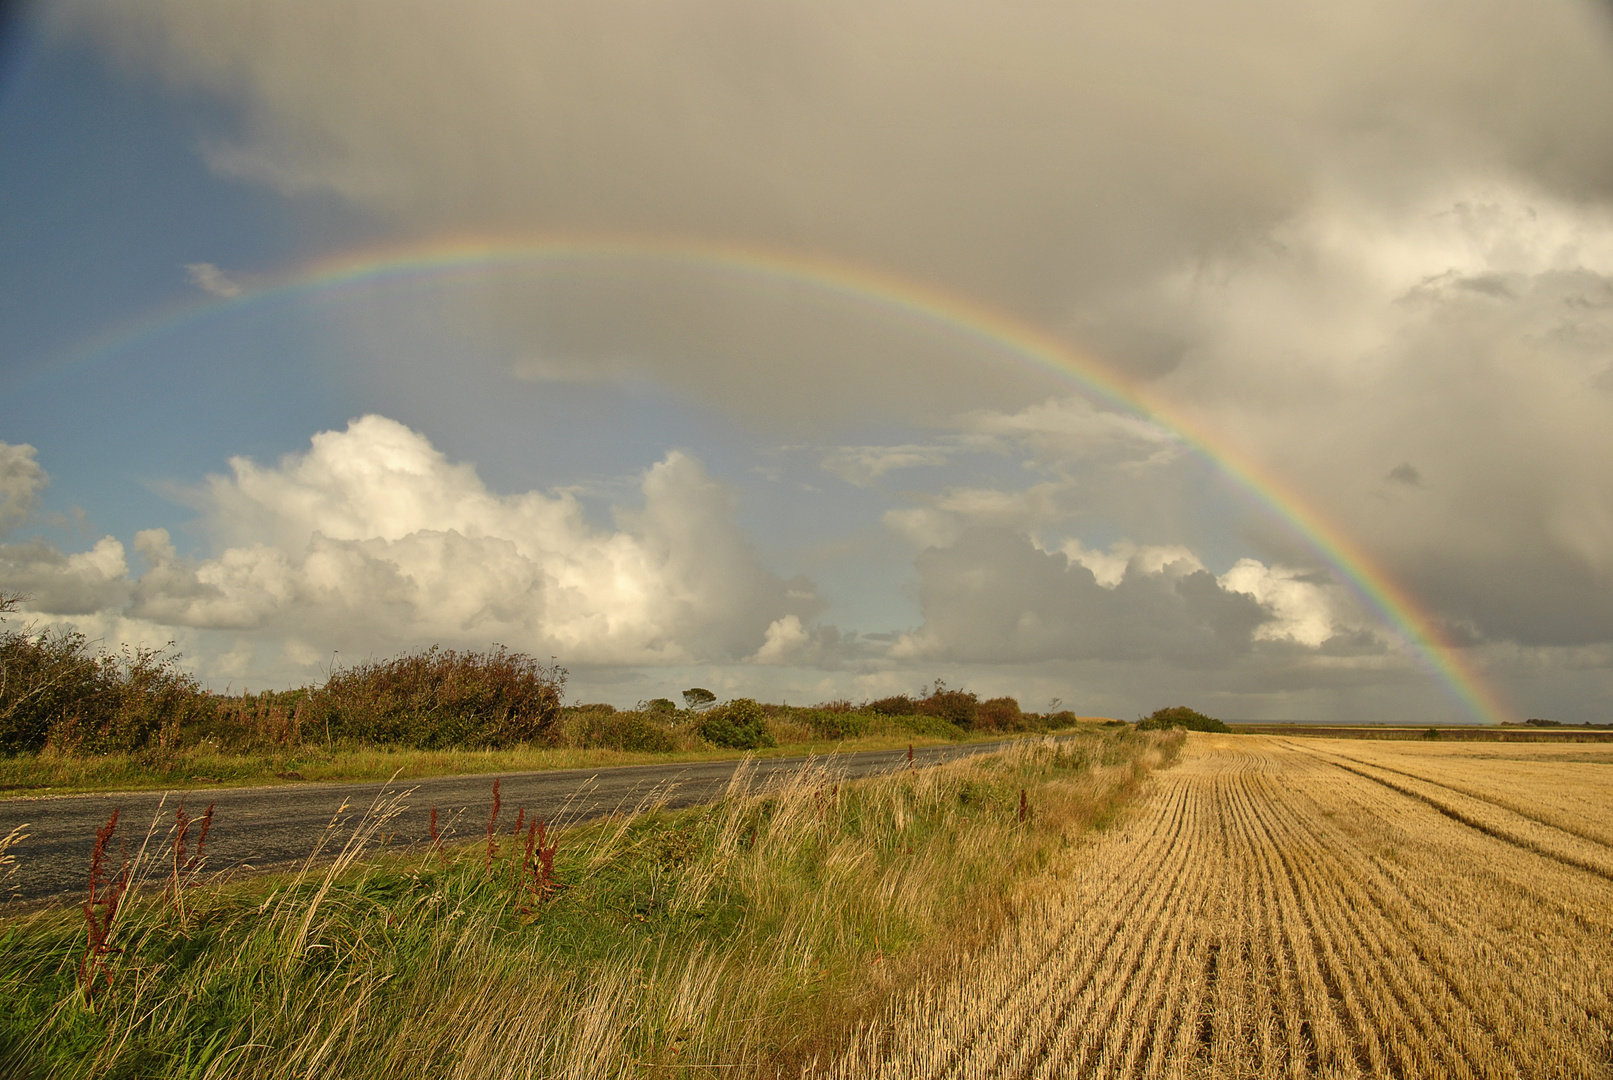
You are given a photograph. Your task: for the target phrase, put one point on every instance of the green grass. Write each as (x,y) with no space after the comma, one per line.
(734,939)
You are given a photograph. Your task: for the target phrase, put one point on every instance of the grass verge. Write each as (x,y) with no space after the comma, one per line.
(203,766)
(740,938)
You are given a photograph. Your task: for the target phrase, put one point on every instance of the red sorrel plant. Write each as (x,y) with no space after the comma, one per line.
(187,862)
(1022,809)
(99,943)
(492,829)
(537,867)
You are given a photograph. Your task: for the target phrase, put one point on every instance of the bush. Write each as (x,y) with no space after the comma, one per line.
(739,725)
(827,724)
(957,707)
(1180,716)
(255,721)
(55,691)
(640,732)
(896,705)
(439,697)
(1000,714)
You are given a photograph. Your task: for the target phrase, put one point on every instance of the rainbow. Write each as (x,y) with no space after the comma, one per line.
(472,257)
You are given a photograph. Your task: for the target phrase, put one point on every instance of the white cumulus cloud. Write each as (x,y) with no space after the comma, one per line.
(372,540)
(1302,609)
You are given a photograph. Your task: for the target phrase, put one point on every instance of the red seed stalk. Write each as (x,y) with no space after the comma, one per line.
(99,932)
(1022,810)
(538,877)
(546,860)
(520,823)
(201,837)
(436,839)
(909,755)
(492,828)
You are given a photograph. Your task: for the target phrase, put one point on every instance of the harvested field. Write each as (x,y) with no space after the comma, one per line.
(1303,907)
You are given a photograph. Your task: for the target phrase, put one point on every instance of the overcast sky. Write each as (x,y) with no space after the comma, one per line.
(1367,246)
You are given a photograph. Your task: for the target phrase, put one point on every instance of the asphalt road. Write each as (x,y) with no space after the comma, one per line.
(261,828)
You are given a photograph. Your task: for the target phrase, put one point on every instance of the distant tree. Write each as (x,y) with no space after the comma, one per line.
(659,704)
(699,698)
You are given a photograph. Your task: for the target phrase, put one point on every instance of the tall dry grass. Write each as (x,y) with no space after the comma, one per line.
(735,939)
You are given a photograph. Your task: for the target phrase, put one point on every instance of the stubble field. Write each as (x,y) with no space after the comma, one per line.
(1303,907)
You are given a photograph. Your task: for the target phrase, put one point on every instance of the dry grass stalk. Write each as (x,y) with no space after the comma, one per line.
(8,861)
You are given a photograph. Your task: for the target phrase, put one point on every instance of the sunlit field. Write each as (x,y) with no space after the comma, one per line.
(1287,907)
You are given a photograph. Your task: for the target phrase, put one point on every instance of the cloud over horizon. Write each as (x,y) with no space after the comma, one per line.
(373,540)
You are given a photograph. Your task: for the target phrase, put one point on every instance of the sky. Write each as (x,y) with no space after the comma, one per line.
(1256,356)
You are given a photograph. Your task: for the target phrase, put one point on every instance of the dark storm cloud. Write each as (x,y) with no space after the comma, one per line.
(1029,154)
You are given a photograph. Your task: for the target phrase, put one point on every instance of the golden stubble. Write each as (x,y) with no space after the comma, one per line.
(1302,907)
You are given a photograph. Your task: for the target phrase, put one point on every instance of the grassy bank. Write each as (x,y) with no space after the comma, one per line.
(738,938)
(206,766)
